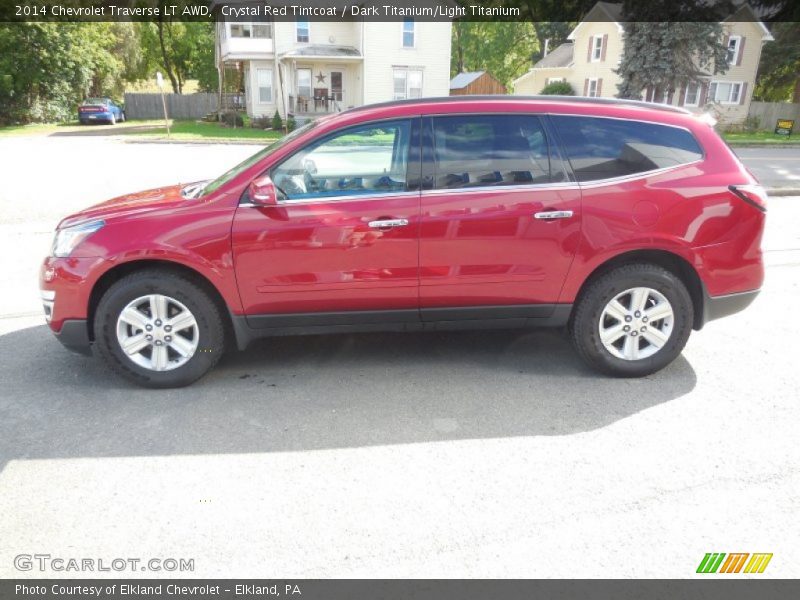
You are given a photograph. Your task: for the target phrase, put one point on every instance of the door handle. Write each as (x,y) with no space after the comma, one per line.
(551,215)
(388,223)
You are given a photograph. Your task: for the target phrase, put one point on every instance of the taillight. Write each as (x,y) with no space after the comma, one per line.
(753,194)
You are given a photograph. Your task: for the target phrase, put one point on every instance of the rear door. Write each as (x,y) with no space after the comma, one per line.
(501,220)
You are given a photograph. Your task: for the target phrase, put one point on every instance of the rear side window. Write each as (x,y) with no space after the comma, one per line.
(492,150)
(599,148)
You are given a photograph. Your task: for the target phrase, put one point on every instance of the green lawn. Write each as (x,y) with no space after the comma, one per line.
(199,130)
(766,138)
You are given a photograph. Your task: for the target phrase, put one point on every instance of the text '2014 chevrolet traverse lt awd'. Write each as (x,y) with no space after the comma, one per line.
(630,224)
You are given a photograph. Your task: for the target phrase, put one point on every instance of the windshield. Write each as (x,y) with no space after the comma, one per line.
(227,176)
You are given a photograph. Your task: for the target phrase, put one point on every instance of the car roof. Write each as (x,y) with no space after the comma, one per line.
(608,107)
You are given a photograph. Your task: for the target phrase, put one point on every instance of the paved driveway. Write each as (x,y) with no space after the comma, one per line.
(487,454)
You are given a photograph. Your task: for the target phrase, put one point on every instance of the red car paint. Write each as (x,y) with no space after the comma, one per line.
(321,256)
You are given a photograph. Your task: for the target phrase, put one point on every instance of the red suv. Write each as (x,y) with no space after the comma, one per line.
(628,223)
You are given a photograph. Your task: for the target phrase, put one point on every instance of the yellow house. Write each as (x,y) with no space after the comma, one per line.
(589,59)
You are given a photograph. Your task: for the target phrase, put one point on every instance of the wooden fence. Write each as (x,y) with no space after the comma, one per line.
(768,113)
(179,106)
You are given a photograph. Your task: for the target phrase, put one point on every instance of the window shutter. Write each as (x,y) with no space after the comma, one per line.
(586,87)
(712,92)
(681,95)
(740,51)
(743,93)
(670,95)
(603,51)
(589,51)
(599,93)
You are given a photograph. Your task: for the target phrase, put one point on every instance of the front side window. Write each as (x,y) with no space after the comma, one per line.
(407,84)
(368,159)
(600,148)
(726,92)
(264,80)
(303,31)
(491,150)
(408,33)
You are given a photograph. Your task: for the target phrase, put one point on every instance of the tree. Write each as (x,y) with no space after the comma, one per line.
(668,44)
(504,49)
(183,50)
(779,69)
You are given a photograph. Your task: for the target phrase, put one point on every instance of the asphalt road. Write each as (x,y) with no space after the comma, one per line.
(489,454)
(773,167)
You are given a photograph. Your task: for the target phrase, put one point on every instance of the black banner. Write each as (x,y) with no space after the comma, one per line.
(387,10)
(382,589)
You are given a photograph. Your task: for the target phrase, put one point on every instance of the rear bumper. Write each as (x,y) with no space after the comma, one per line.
(74,335)
(716,307)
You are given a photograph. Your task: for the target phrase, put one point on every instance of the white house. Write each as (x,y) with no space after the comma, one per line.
(310,67)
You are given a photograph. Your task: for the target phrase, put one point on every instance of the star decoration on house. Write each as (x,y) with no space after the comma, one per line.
(320,78)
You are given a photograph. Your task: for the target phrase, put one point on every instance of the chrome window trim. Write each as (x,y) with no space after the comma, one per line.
(325,199)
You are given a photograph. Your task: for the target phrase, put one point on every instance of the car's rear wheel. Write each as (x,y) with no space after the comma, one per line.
(159,329)
(113,119)
(632,321)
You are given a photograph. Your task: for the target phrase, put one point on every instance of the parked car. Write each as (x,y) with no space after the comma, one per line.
(629,224)
(93,110)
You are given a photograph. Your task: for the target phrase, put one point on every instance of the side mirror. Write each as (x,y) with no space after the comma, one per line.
(262,192)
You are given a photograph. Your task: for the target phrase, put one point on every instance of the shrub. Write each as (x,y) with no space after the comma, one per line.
(232,119)
(291,124)
(277,122)
(260,122)
(558,88)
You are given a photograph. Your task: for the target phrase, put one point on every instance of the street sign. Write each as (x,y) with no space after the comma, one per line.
(784,126)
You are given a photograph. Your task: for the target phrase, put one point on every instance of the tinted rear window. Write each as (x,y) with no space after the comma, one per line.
(599,148)
(493,150)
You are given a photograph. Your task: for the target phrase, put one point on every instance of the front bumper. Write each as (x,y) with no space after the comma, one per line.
(74,335)
(716,307)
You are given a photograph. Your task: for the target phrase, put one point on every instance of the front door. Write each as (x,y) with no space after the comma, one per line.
(500,225)
(344,236)
(337,86)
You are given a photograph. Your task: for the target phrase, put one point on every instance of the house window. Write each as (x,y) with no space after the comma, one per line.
(550,80)
(264,84)
(725,92)
(597,48)
(407,84)
(303,30)
(692,95)
(591,90)
(408,33)
(248,30)
(734,44)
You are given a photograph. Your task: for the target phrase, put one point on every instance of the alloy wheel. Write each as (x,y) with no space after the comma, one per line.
(636,323)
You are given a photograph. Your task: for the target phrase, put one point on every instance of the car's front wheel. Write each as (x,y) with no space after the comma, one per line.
(632,321)
(159,329)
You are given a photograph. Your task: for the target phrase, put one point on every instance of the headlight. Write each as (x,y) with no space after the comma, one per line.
(68,238)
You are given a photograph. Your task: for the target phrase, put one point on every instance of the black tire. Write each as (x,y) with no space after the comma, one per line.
(210,328)
(584,326)
(112,120)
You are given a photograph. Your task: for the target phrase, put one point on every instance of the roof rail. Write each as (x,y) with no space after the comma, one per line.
(511,98)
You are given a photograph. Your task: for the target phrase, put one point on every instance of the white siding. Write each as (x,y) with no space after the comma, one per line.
(431,54)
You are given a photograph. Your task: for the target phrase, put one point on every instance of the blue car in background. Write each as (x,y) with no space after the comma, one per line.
(104,110)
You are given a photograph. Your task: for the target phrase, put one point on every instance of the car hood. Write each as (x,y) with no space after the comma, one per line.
(131,204)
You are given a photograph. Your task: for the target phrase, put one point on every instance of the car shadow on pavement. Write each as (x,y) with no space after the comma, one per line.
(316,392)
